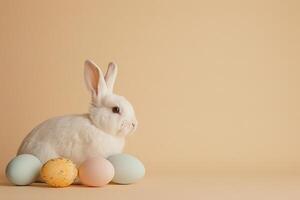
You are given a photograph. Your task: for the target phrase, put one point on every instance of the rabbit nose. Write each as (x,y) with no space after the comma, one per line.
(133,125)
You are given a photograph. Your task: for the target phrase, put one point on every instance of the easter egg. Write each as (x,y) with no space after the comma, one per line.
(96,172)
(128,169)
(23,169)
(59,172)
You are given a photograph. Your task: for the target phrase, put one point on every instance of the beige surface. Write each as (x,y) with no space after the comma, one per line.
(215,84)
(166,186)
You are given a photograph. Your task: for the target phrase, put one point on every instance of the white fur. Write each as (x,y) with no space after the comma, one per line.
(78,137)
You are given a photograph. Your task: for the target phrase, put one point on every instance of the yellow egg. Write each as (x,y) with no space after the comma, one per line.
(59,172)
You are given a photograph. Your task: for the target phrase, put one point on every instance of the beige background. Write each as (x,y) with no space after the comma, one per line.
(215,84)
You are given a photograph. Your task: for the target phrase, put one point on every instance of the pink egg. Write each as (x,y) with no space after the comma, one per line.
(96,172)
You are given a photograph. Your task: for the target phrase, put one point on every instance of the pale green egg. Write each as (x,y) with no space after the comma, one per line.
(128,169)
(23,169)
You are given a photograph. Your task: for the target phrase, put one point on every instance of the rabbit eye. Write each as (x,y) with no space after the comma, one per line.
(116,109)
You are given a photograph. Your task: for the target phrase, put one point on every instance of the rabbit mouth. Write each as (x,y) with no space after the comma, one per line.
(126,128)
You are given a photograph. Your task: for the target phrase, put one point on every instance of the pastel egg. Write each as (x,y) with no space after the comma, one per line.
(96,172)
(23,169)
(59,172)
(128,169)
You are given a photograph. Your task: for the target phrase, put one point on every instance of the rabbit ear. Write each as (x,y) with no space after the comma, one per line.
(94,79)
(110,76)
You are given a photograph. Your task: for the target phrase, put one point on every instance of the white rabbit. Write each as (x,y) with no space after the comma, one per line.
(102,131)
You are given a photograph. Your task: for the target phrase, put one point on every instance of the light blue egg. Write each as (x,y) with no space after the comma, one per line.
(128,169)
(23,169)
